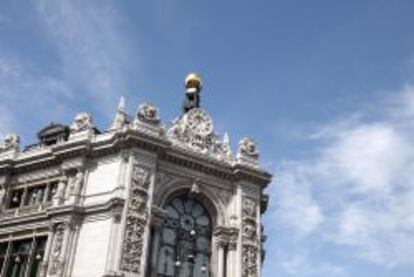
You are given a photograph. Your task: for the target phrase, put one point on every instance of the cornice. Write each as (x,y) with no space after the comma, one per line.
(113,142)
(9,222)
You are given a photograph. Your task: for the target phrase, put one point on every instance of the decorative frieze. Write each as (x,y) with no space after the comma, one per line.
(251,243)
(136,220)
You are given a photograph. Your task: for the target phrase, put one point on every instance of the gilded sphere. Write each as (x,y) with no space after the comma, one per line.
(193,80)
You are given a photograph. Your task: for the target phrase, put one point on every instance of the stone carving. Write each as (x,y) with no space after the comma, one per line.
(121,116)
(148,113)
(226,236)
(2,195)
(136,220)
(250,239)
(59,196)
(226,145)
(249,267)
(248,148)
(11,142)
(195,131)
(82,122)
(56,264)
(74,186)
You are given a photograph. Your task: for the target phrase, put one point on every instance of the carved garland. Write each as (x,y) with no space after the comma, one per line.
(56,266)
(136,220)
(250,239)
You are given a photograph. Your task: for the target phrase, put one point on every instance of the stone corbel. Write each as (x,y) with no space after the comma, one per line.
(158,216)
(117,209)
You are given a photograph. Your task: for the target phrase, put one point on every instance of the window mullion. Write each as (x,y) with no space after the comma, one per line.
(30,258)
(6,259)
(23,199)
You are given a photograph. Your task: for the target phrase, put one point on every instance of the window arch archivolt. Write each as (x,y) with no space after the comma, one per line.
(213,202)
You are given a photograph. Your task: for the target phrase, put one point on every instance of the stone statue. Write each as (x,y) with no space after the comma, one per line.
(148,113)
(248,148)
(2,195)
(10,142)
(59,197)
(82,122)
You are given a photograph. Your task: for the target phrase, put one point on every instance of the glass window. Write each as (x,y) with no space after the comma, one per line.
(24,257)
(52,191)
(3,252)
(19,258)
(185,246)
(38,254)
(16,198)
(35,195)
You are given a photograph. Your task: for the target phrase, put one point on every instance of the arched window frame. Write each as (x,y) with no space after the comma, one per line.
(213,207)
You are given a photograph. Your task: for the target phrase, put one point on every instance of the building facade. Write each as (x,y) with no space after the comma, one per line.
(139,199)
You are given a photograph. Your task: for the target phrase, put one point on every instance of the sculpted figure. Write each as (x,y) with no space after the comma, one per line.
(77,183)
(148,113)
(2,195)
(82,122)
(59,197)
(247,147)
(10,142)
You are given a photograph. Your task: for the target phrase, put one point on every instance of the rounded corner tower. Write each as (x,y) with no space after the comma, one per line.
(136,200)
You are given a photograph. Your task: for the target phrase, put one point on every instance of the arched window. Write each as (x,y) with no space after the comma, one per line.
(185,242)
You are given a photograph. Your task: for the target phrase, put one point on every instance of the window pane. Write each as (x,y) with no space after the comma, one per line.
(185,242)
(52,191)
(19,258)
(16,198)
(35,195)
(3,252)
(37,256)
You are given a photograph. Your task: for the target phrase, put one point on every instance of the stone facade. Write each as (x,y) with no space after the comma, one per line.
(94,204)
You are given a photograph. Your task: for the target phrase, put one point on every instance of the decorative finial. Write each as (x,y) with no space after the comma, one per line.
(121,116)
(121,104)
(193,82)
(226,145)
(193,85)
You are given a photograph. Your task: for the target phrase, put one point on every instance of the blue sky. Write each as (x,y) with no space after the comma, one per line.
(325,87)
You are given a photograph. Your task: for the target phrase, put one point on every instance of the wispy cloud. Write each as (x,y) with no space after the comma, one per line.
(91,44)
(357,191)
(25,92)
(88,62)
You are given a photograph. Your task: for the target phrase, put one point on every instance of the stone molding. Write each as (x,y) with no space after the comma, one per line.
(136,220)
(226,236)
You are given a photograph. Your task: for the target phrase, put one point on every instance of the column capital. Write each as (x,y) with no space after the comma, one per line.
(226,236)
(158,216)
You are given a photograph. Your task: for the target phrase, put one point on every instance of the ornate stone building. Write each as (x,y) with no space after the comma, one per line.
(139,199)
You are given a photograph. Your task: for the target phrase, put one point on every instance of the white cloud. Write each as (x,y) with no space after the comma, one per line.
(26,92)
(88,62)
(91,45)
(358,191)
(299,262)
